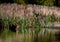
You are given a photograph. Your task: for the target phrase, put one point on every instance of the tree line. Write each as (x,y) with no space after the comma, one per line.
(39,2)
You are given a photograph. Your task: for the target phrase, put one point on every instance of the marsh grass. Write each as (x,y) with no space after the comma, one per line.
(29,30)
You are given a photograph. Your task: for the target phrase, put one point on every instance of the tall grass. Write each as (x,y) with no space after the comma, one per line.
(29,30)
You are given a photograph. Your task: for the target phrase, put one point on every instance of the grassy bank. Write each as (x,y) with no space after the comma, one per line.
(29,29)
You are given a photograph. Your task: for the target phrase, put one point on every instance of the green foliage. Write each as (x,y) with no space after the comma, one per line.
(46,2)
(49,2)
(19,1)
(50,18)
(38,2)
(42,2)
(58,19)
